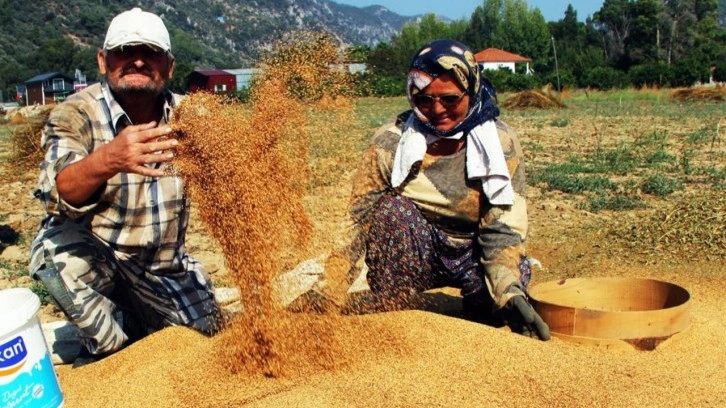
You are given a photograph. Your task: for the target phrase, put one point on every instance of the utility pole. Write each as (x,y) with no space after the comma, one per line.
(557,69)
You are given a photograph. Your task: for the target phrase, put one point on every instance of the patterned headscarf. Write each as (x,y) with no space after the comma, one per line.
(448,56)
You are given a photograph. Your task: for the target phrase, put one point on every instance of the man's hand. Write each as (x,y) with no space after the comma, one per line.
(135,147)
(129,152)
(522,319)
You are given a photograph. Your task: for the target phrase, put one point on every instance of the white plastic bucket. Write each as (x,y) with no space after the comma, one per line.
(27,376)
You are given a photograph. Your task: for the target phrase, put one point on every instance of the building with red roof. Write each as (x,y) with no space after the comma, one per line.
(212,80)
(494,58)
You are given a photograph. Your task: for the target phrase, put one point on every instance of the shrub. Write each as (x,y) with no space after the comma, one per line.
(686,73)
(719,72)
(505,80)
(378,85)
(659,185)
(615,203)
(567,80)
(39,289)
(657,74)
(605,78)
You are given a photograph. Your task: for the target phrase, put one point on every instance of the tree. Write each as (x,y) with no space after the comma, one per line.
(614,21)
(53,55)
(676,19)
(392,59)
(484,23)
(509,25)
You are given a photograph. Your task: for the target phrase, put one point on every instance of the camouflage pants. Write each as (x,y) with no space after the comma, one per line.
(110,297)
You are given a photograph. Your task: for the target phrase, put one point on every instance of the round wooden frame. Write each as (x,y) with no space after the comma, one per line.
(613,312)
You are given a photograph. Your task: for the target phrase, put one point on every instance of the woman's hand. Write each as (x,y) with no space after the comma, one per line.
(522,319)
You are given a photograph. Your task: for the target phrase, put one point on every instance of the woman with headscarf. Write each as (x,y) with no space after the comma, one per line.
(439,199)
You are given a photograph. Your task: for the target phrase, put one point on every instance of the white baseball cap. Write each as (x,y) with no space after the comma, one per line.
(135,27)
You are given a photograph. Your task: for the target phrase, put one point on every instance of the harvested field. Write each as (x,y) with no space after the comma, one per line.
(429,356)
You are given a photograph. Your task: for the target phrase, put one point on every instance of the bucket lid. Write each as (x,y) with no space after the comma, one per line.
(17,307)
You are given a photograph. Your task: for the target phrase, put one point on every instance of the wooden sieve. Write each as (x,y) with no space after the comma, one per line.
(613,312)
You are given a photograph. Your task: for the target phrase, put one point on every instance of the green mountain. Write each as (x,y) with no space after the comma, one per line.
(53,35)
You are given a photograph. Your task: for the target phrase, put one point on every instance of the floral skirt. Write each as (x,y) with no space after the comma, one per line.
(406,254)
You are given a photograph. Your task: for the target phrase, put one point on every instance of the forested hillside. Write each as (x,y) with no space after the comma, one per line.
(52,35)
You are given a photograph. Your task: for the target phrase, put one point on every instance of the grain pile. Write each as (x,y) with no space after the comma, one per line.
(421,359)
(247,168)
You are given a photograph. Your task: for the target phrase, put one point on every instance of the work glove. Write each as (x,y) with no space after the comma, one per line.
(521,318)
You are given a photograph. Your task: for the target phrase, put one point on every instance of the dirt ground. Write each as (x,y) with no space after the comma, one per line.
(430,357)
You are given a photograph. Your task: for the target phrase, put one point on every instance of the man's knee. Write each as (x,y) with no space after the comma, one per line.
(51,279)
(64,254)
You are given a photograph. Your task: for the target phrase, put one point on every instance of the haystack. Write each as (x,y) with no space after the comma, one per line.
(717,94)
(534,99)
(26,126)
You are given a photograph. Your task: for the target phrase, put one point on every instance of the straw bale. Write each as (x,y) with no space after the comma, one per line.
(26,127)
(533,99)
(699,94)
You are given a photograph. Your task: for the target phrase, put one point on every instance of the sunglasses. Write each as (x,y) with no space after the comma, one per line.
(447,101)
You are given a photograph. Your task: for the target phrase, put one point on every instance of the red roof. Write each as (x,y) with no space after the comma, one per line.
(213,72)
(497,55)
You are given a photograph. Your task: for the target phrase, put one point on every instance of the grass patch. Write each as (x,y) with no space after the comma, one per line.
(660,185)
(533,148)
(39,289)
(654,139)
(702,135)
(620,160)
(11,271)
(615,202)
(572,183)
(375,112)
(560,122)
(716,177)
(658,157)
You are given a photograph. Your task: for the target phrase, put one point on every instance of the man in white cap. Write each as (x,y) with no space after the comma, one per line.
(111,247)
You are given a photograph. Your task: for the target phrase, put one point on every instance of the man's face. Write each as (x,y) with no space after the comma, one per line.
(136,69)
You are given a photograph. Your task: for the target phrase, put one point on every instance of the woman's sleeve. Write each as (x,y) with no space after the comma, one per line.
(371,180)
(503,229)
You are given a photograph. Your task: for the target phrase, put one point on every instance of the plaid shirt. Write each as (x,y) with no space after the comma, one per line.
(142,217)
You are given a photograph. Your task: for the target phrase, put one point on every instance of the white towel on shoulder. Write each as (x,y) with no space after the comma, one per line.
(484,159)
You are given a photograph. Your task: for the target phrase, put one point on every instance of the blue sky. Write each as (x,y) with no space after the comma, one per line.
(552,10)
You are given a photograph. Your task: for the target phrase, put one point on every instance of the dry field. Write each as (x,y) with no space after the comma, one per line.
(628,184)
